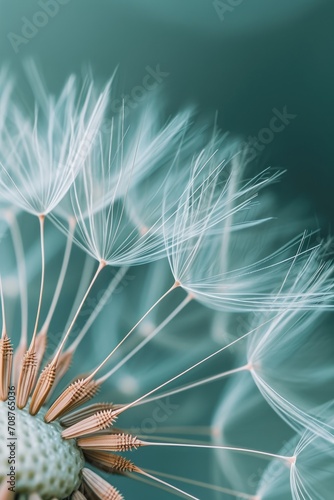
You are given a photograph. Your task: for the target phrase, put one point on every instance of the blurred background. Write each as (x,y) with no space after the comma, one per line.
(245,59)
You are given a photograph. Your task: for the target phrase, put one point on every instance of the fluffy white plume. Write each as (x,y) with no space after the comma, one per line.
(40,157)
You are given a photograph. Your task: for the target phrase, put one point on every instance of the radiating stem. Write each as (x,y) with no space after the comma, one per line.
(6,353)
(29,366)
(192,385)
(164,483)
(99,269)
(152,391)
(263,454)
(173,287)
(41,224)
(105,297)
(179,375)
(201,484)
(22,275)
(61,277)
(84,282)
(162,325)
(3,312)
(47,378)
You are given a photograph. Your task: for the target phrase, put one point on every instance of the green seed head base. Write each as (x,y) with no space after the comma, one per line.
(44,461)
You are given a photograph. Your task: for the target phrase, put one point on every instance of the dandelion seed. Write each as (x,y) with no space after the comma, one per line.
(281,354)
(98,199)
(310,474)
(40,164)
(199,265)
